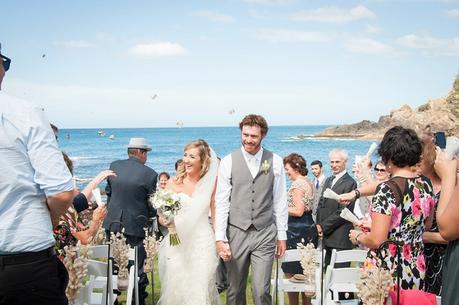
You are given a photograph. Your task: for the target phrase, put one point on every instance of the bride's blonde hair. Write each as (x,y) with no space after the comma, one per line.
(204,155)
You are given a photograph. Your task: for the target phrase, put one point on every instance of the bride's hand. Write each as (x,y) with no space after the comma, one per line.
(223,250)
(162,221)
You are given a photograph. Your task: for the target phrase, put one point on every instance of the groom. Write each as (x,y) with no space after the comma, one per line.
(251,213)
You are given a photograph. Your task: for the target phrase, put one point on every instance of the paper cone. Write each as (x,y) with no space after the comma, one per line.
(97,196)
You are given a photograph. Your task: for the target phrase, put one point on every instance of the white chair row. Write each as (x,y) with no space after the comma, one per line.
(335,280)
(94,291)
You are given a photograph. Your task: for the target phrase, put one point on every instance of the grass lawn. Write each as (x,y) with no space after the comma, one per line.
(157,288)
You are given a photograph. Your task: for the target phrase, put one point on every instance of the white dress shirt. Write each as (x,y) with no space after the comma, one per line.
(337,177)
(222,195)
(321,179)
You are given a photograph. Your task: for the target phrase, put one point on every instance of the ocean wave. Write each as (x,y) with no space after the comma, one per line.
(79,158)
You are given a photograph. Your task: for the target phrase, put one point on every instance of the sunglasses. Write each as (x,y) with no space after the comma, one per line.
(5,62)
(381,170)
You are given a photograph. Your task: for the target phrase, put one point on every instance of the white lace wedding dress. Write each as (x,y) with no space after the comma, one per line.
(187,271)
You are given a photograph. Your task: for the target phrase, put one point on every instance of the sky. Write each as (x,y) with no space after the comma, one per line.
(93,64)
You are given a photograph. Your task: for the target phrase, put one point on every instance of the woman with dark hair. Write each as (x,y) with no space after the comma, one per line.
(402,206)
(300,200)
(162,180)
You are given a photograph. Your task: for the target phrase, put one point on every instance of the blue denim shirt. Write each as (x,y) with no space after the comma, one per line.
(31,169)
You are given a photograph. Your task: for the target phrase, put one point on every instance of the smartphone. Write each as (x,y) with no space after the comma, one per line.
(440,139)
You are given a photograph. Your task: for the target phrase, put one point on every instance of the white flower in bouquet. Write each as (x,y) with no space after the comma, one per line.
(167,203)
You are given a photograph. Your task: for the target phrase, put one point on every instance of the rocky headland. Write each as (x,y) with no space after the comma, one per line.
(440,114)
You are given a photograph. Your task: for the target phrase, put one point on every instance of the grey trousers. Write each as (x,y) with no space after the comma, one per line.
(250,248)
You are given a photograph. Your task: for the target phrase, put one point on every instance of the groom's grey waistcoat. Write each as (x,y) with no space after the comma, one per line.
(251,198)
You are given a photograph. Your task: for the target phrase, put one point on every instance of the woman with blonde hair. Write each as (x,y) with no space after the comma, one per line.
(187,270)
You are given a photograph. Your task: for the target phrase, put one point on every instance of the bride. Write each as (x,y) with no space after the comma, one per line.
(187,270)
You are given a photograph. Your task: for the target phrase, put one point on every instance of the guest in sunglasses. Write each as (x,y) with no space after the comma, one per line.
(380,172)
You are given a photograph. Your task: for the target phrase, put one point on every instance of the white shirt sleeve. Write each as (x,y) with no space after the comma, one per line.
(222,196)
(280,198)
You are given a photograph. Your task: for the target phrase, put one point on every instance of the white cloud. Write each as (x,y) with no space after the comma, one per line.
(158,49)
(367,46)
(74,44)
(454,14)
(274,35)
(431,45)
(370,29)
(334,14)
(214,16)
(270,2)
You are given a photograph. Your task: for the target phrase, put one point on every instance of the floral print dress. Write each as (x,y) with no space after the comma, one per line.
(407,226)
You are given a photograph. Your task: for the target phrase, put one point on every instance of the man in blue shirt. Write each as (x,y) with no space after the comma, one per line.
(35,189)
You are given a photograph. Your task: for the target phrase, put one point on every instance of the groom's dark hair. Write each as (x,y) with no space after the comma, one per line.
(255,120)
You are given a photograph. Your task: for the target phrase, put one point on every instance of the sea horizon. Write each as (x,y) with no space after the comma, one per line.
(92,153)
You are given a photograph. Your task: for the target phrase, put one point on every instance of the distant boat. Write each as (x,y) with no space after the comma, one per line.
(112,137)
(101,133)
(179,124)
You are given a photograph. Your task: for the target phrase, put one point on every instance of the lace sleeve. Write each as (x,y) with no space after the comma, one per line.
(308,190)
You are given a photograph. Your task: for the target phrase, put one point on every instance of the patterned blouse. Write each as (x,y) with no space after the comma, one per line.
(68,223)
(307,187)
(407,225)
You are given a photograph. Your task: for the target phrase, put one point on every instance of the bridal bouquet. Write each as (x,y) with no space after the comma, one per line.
(168,204)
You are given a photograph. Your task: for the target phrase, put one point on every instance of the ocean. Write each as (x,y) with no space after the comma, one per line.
(92,153)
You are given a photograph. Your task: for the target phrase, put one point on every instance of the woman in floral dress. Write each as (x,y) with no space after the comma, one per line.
(402,207)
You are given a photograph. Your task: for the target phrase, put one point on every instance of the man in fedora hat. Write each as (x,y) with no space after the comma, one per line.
(127,200)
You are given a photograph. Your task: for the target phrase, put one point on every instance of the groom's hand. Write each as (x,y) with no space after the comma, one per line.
(280,248)
(223,250)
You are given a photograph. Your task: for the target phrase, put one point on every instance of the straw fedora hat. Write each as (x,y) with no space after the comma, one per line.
(139,143)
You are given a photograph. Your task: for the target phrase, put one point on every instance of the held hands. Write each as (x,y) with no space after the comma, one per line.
(223,250)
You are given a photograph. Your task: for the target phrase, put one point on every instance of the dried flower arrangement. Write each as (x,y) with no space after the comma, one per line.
(76,262)
(308,255)
(121,258)
(99,238)
(375,281)
(151,248)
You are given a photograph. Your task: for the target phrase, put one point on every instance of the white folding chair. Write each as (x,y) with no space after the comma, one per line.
(133,286)
(95,289)
(342,280)
(285,285)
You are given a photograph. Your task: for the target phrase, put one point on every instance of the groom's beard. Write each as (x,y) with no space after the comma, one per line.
(251,148)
